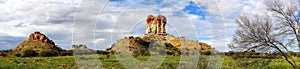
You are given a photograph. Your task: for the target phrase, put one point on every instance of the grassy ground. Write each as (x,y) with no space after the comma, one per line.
(111,62)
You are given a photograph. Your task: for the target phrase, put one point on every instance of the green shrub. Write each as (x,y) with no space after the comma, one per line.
(48,53)
(230,53)
(3,54)
(66,53)
(102,52)
(29,53)
(17,54)
(206,52)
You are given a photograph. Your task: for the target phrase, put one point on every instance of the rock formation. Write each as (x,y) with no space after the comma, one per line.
(156,24)
(82,49)
(37,36)
(156,36)
(80,46)
(174,45)
(39,43)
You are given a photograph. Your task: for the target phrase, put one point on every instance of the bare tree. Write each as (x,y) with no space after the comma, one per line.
(276,32)
(258,33)
(287,14)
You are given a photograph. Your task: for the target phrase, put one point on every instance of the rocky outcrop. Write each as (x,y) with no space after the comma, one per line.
(39,43)
(37,36)
(157,37)
(80,46)
(82,49)
(174,45)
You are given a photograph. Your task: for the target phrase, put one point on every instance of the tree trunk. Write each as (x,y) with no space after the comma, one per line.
(286,57)
(298,40)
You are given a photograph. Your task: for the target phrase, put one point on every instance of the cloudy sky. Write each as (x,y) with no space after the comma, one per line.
(99,23)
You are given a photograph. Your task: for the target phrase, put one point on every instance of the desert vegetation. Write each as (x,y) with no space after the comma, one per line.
(252,60)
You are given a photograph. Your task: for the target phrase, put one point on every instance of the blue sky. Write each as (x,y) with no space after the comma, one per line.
(192,8)
(98,24)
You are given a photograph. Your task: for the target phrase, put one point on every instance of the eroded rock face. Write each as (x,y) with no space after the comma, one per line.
(162,21)
(37,36)
(156,24)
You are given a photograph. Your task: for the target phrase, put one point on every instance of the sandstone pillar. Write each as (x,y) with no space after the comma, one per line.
(154,25)
(162,20)
(149,20)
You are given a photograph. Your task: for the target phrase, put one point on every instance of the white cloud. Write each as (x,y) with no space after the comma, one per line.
(98,40)
(174,5)
(23,17)
(223,8)
(254,7)
(19,18)
(230,8)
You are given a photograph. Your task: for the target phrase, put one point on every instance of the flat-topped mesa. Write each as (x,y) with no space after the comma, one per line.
(156,24)
(79,47)
(37,36)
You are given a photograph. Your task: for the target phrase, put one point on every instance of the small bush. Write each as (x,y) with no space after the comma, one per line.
(17,54)
(3,54)
(170,53)
(206,52)
(29,53)
(298,54)
(102,52)
(66,53)
(230,53)
(48,53)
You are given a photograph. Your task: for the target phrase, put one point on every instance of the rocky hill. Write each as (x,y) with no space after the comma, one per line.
(81,49)
(39,44)
(80,46)
(173,45)
(157,40)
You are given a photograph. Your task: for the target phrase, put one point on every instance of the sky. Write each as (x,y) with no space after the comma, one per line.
(100,23)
